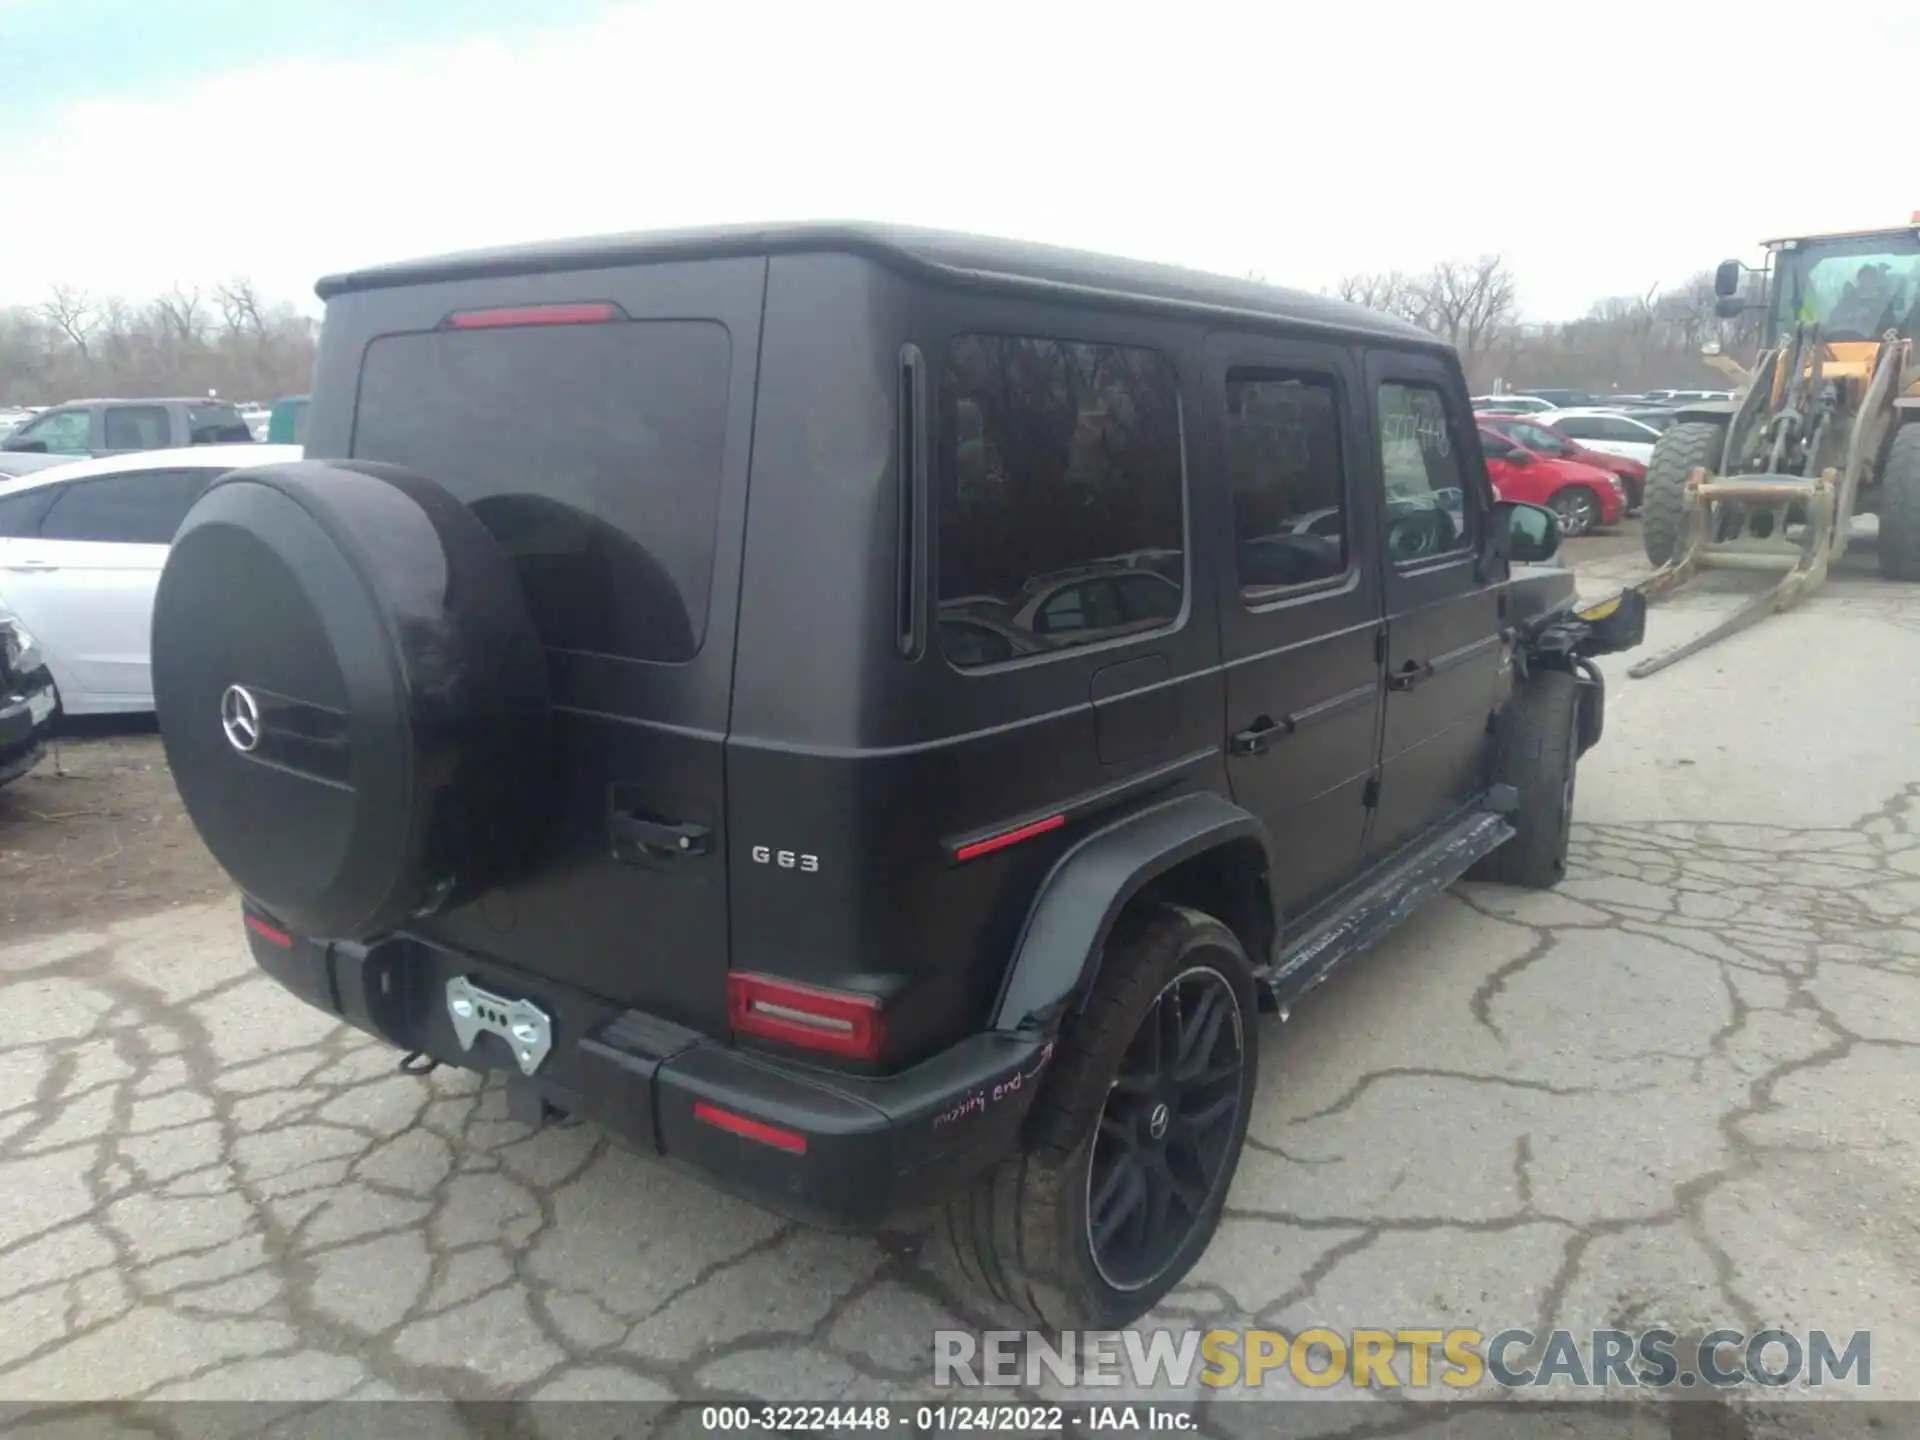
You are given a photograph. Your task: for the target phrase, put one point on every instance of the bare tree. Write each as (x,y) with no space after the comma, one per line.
(237,344)
(179,315)
(1469,302)
(70,312)
(240,307)
(1393,292)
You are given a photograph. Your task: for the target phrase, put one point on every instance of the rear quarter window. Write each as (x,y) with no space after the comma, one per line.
(216,425)
(592,452)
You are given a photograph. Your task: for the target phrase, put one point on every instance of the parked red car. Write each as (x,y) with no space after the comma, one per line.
(1584,496)
(1542,440)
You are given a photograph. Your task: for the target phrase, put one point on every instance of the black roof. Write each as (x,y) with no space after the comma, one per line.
(944,255)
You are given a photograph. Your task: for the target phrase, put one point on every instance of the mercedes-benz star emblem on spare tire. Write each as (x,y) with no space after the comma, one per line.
(240,718)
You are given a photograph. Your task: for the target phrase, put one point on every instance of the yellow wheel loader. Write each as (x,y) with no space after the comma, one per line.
(1825,426)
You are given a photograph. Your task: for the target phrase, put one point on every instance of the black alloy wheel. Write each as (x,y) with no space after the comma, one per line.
(1166,1133)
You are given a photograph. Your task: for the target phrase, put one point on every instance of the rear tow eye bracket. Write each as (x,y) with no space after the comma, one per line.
(523,1025)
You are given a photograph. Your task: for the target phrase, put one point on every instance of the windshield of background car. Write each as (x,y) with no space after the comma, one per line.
(592,452)
(1856,289)
(1061,509)
(1539,439)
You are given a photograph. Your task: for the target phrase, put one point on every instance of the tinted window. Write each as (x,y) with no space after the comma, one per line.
(20,514)
(139,509)
(1582,427)
(1064,500)
(1425,512)
(136,427)
(593,453)
(1495,447)
(62,432)
(216,425)
(1283,461)
(971,644)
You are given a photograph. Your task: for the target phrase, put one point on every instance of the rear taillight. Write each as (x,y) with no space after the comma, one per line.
(591,313)
(832,1022)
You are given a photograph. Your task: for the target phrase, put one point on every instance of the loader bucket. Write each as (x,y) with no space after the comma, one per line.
(1801,563)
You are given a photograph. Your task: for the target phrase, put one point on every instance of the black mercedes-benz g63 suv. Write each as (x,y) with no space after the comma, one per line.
(870,714)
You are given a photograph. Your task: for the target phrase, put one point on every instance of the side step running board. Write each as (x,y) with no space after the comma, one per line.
(1410,884)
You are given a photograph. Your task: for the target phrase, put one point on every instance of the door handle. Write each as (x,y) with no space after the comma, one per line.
(636,838)
(1410,674)
(1258,737)
(37,567)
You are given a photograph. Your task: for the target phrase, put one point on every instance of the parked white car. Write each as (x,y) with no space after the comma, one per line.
(1607,431)
(81,548)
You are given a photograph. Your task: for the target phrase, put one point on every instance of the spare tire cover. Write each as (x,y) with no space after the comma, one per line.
(351,692)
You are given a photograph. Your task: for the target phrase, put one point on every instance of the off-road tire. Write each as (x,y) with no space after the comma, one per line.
(1018,1236)
(1539,738)
(1900,506)
(1663,510)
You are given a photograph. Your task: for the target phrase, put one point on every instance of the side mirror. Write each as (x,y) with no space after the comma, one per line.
(1533,531)
(1726,278)
(26,447)
(1517,456)
(1728,306)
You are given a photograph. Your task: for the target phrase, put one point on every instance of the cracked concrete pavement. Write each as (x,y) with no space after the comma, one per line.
(1678,1091)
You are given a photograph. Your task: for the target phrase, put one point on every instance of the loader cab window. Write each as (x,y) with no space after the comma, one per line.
(1855,289)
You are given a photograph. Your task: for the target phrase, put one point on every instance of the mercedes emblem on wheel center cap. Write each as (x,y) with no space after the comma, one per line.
(1157,1121)
(240,718)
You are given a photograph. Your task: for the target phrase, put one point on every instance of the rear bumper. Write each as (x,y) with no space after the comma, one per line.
(835,1150)
(26,716)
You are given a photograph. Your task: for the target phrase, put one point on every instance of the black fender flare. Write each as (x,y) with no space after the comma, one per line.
(1087,888)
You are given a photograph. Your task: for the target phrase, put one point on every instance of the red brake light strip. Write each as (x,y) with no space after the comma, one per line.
(511,315)
(1009,837)
(271,934)
(790,1141)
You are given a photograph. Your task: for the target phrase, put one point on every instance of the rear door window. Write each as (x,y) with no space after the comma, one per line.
(1067,464)
(1284,463)
(136,427)
(592,452)
(145,508)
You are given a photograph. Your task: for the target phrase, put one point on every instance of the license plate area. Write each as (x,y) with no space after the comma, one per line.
(524,1026)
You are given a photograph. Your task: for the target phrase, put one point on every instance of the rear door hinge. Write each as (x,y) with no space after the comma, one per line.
(1380,646)
(1370,796)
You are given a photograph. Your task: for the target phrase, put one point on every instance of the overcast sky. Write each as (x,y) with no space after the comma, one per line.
(148,142)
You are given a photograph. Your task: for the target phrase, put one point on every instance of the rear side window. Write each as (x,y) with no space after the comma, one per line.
(140,509)
(1283,459)
(592,452)
(1061,517)
(136,427)
(1582,427)
(216,425)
